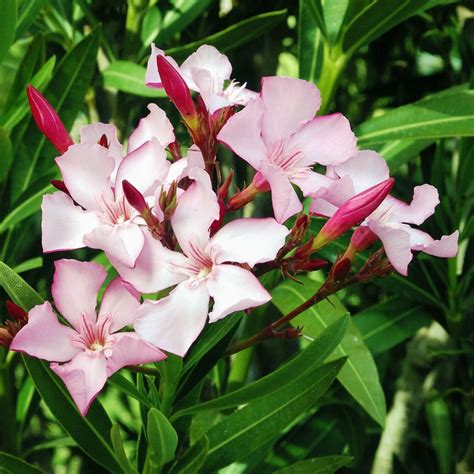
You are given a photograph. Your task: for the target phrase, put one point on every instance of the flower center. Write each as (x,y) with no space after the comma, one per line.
(94,336)
(116,212)
(285,159)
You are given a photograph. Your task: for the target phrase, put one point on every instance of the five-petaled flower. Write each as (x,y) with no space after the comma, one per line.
(91,349)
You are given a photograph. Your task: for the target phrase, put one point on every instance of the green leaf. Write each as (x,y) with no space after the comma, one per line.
(438,116)
(377,18)
(193,459)
(26,15)
(359,376)
(118,381)
(315,10)
(90,432)
(182,13)
(389,323)
(233,36)
(162,438)
(65,93)
(323,465)
(399,152)
(7,26)
(304,361)
(246,430)
(12,465)
(129,77)
(26,209)
(20,108)
(334,15)
(27,265)
(5,154)
(120,451)
(310,43)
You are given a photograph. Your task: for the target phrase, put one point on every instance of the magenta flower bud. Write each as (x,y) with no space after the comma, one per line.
(134,197)
(48,121)
(352,212)
(15,312)
(362,239)
(176,88)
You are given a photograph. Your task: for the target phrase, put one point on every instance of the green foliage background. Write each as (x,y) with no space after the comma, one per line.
(402,73)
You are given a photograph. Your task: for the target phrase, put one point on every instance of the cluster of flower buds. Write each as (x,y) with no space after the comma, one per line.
(172,226)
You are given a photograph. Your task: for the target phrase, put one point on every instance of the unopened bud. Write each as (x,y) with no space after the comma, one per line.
(103,141)
(176,88)
(48,121)
(175,150)
(361,239)
(169,200)
(61,185)
(134,197)
(340,269)
(223,190)
(352,212)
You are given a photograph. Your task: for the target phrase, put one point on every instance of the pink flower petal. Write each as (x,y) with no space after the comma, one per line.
(396,243)
(288,103)
(153,268)
(86,173)
(64,224)
(155,125)
(242,134)
(366,169)
(249,241)
(312,184)
(84,377)
(197,210)
(152,76)
(119,303)
(129,349)
(173,323)
(145,168)
(44,337)
(425,200)
(121,242)
(284,198)
(327,140)
(234,289)
(75,289)
(446,247)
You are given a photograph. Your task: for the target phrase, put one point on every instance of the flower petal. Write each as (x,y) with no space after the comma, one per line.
(130,349)
(327,140)
(174,322)
(249,241)
(284,198)
(197,209)
(288,103)
(312,183)
(396,243)
(242,134)
(153,268)
(75,289)
(152,76)
(119,303)
(425,200)
(234,289)
(86,171)
(145,168)
(84,377)
(446,247)
(155,125)
(366,169)
(121,242)
(64,224)
(44,337)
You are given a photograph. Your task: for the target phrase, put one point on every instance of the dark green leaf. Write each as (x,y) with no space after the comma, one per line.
(26,15)
(324,465)
(235,35)
(246,430)
(13,465)
(120,451)
(124,385)
(193,459)
(359,376)
(5,154)
(27,265)
(7,26)
(162,438)
(399,152)
(306,360)
(129,77)
(334,15)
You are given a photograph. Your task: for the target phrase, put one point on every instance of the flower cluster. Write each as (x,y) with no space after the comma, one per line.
(168,223)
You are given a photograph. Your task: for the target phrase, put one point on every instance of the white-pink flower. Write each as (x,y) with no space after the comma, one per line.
(91,349)
(95,213)
(208,267)
(279,136)
(390,221)
(207,72)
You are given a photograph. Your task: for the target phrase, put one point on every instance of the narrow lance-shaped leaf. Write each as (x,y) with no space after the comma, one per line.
(162,439)
(323,465)
(7,26)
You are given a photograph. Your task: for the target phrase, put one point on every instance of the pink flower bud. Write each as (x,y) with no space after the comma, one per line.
(352,212)
(176,88)
(15,312)
(134,197)
(362,239)
(48,121)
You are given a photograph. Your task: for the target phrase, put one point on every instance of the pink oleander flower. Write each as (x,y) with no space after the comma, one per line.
(95,212)
(279,136)
(91,349)
(390,221)
(48,121)
(207,72)
(208,267)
